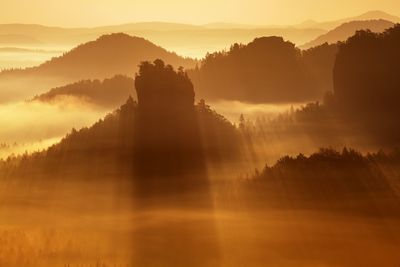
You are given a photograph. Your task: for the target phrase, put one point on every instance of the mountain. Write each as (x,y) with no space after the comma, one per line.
(370,15)
(108,93)
(105,57)
(347,30)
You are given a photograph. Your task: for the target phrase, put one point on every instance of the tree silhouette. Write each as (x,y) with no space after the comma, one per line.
(158,86)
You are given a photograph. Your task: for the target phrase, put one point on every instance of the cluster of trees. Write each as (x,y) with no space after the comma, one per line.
(367,83)
(331,179)
(266,70)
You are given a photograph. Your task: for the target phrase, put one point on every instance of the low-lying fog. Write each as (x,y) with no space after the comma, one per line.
(31,126)
(25,56)
(232,110)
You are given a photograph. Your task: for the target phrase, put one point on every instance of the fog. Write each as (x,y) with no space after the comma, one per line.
(23,57)
(233,109)
(32,126)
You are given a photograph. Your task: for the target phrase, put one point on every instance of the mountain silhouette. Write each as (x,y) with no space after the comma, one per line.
(107,93)
(109,55)
(346,30)
(370,15)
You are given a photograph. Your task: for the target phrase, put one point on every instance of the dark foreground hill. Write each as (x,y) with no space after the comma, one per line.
(366,83)
(330,180)
(163,135)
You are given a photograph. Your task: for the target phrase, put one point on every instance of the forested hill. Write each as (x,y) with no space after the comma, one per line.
(163,134)
(267,70)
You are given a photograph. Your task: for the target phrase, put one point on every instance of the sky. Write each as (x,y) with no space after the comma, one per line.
(73,13)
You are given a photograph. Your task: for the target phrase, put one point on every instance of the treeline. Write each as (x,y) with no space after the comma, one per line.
(332,180)
(107,93)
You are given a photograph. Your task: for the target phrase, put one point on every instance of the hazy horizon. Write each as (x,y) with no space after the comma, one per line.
(254,12)
(217,23)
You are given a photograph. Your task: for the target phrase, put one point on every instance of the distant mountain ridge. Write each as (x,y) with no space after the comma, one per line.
(347,30)
(370,15)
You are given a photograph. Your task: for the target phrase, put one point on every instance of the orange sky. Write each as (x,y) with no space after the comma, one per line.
(104,12)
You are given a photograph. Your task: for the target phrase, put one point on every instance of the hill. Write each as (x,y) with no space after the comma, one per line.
(366,83)
(347,30)
(105,57)
(266,70)
(332,181)
(163,135)
(108,55)
(108,93)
